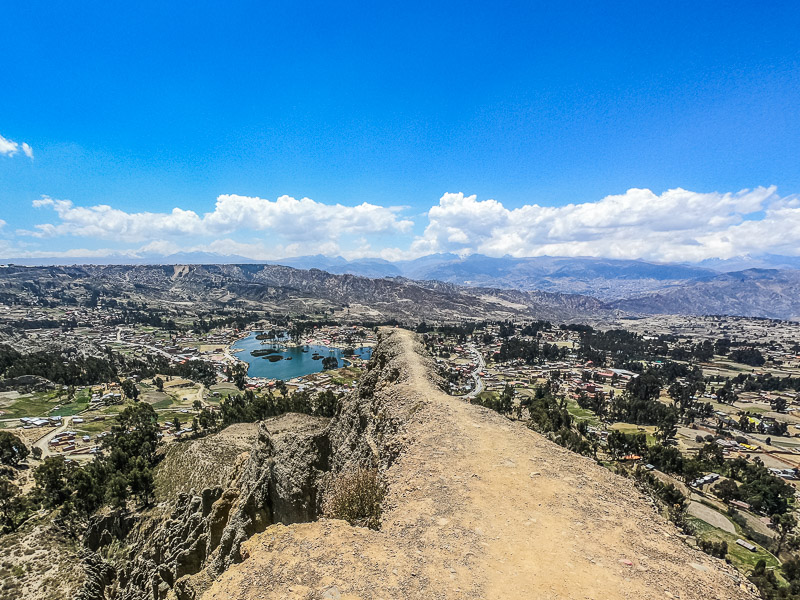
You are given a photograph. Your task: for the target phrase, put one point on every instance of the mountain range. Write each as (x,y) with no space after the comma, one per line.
(631,286)
(281,290)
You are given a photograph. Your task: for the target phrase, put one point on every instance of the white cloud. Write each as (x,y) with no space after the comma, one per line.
(302,219)
(677,225)
(159,247)
(294,220)
(10,148)
(105,222)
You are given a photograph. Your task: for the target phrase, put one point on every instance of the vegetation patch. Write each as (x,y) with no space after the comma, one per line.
(356,497)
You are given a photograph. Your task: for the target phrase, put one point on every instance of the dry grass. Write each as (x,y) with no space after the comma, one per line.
(356,497)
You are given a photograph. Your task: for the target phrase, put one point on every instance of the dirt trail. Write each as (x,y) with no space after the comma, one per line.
(481,507)
(43,443)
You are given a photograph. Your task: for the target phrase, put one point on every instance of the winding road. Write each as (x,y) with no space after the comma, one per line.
(475,374)
(43,442)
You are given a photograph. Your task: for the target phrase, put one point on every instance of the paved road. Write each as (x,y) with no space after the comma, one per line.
(481,366)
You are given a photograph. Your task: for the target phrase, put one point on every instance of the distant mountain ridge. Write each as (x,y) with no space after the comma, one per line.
(601,285)
(606,279)
(283,289)
(769,293)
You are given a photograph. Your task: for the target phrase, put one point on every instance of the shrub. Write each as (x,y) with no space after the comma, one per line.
(355,497)
(716,549)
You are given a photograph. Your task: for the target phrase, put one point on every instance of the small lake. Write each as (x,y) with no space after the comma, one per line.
(301,363)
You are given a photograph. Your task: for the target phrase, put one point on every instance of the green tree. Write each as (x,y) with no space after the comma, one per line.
(692,469)
(506,400)
(12,450)
(8,493)
(712,454)
(622,444)
(141,481)
(667,427)
(159,383)
(326,404)
(783,524)
(779,404)
(135,433)
(745,424)
(117,490)
(88,490)
(14,507)
(52,481)
(130,390)
(239,375)
(645,387)
(727,490)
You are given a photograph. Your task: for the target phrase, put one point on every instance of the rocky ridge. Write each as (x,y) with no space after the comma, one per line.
(478,507)
(175,550)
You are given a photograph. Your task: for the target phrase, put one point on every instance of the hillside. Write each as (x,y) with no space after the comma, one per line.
(478,507)
(752,293)
(282,289)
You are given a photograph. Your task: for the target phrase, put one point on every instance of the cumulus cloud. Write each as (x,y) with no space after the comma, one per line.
(105,222)
(678,225)
(295,220)
(10,148)
(302,219)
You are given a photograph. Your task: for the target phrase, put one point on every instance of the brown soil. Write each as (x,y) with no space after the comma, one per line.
(480,507)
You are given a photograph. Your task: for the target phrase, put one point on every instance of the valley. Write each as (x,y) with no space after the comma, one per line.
(154,455)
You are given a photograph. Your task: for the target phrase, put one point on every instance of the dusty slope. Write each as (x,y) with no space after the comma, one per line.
(205,462)
(480,507)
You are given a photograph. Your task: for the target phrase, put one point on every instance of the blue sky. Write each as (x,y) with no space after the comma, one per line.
(624,129)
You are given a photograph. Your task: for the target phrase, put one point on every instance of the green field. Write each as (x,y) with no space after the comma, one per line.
(630,428)
(742,559)
(38,404)
(94,427)
(169,417)
(345,375)
(582,414)
(165,403)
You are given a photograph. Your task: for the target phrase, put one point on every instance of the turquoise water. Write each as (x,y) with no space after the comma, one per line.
(301,364)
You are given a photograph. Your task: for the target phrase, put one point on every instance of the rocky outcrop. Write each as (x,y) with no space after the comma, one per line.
(367,430)
(177,550)
(279,483)
(171,553)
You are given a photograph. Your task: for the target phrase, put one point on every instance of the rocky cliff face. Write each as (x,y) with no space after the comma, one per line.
(174,550)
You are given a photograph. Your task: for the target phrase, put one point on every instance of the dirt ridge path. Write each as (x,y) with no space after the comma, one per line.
(480,507)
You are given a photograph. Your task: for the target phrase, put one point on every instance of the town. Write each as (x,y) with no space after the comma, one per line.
(704,412)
